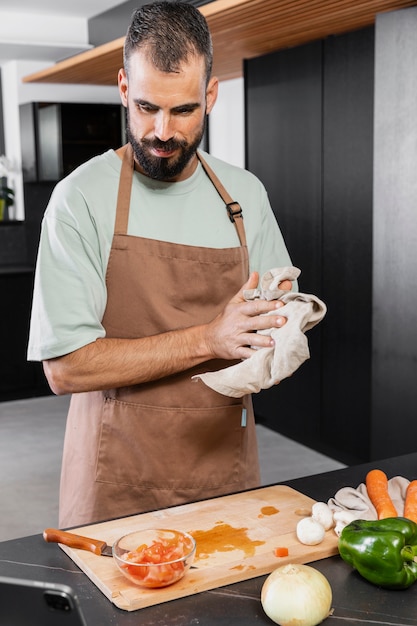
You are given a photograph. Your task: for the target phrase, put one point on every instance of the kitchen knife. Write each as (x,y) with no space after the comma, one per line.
(53,535)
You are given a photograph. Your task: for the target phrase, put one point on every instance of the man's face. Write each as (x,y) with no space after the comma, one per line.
(166,115)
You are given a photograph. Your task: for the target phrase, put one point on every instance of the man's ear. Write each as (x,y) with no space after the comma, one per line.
(123,86)
(211,93)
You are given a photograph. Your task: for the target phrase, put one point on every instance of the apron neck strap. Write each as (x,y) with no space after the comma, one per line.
(125,186)
(234,210)
(123,194)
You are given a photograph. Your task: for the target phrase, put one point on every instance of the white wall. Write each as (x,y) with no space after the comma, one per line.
(227,125)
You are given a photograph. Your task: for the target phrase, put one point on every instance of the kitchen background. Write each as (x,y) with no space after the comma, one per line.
(330,128)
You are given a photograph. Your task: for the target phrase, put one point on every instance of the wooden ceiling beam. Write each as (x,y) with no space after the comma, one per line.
(241,29)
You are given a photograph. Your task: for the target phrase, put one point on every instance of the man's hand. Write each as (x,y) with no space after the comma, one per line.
(232,334)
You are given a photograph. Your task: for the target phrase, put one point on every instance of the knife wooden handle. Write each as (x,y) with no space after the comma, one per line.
(53,535)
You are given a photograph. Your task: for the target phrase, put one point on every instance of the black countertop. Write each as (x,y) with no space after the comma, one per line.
(355,601)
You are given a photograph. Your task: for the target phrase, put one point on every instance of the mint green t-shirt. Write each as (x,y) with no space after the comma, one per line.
(77,230)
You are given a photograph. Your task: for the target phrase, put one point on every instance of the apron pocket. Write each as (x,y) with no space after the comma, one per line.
(170,448)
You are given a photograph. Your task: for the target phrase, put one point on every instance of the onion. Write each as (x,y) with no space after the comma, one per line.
(296,595)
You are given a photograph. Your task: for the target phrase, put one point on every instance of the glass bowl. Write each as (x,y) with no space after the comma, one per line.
(154,557)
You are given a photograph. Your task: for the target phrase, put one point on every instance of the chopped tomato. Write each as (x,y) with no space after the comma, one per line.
(165,554)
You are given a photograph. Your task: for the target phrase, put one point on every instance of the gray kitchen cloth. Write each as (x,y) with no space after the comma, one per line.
(357,500)
(268,366)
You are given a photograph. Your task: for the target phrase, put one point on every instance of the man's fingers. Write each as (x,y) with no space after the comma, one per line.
(251,283)
(286,285)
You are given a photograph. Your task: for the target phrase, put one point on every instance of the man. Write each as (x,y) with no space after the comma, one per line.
(142,262)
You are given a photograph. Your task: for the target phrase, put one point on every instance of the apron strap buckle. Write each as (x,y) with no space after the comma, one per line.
(233,213)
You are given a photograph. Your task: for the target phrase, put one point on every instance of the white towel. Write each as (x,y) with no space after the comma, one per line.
(268,366)
(357,500)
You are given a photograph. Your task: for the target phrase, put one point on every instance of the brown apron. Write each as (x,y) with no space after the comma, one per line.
(173,440)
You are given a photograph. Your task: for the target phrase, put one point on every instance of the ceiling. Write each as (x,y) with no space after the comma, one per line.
(80,8)
(22,36)
(240,29)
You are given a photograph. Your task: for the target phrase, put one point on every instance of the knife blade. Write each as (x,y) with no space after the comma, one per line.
(53,535)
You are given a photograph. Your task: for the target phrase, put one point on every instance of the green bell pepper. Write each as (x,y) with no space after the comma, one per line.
(382,551)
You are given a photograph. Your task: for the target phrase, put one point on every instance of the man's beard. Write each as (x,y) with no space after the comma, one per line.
(160,168)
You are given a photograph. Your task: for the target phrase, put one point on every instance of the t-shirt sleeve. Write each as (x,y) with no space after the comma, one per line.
(69,292)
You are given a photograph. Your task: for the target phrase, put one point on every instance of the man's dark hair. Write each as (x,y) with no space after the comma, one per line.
(170,32)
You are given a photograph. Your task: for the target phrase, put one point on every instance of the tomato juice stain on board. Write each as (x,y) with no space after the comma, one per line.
(223,538)
(268,510)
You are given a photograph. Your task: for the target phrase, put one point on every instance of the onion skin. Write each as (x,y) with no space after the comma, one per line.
(296,595)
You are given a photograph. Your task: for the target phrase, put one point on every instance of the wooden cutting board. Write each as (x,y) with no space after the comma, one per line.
(235,535)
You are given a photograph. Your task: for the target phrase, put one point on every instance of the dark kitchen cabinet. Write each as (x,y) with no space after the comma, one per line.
(18,378)
(58,137)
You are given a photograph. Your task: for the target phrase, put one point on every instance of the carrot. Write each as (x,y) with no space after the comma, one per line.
(281,551)
(410,504)
(377,487)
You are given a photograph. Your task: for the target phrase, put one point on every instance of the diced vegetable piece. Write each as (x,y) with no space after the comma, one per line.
(281,551)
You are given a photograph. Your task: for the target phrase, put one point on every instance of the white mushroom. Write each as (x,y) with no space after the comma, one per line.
(309,531)
(323,514)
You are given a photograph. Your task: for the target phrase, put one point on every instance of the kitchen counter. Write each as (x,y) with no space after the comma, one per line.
(354,599)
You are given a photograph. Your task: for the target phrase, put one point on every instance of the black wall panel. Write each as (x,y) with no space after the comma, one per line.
(309,139)
(348,85)
(283,147)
